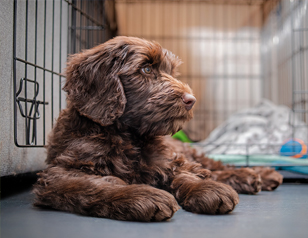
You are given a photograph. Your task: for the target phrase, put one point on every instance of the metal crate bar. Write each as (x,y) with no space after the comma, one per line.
(45,32)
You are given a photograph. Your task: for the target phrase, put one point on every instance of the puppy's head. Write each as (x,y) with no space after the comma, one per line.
(130,80)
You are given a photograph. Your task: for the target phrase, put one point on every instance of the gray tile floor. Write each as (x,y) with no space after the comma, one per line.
(279,214)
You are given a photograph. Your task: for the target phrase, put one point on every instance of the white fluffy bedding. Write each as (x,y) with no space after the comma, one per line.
(258,130)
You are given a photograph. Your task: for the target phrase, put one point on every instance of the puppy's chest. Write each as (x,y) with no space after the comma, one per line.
(137,162)
(152,164)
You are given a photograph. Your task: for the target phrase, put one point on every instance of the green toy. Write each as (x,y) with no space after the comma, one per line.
(180,135)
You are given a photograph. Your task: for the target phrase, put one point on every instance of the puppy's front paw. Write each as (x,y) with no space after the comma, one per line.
(144,203)
(243,180)
(210,197)
(165,206)
(271,179)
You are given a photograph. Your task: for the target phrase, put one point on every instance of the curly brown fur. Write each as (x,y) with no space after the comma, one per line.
(108,155)
(271,179)
(243,180)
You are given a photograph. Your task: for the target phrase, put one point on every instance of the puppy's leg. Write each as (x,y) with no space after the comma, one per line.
(108,196)
(195,154)
(271,179)
(203,196)
(243,180)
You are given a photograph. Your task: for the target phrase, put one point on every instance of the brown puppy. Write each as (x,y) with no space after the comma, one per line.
(108,155)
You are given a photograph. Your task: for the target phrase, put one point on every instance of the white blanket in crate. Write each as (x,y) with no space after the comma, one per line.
(258,130)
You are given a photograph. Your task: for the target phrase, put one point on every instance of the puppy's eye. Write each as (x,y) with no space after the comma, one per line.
(147,70)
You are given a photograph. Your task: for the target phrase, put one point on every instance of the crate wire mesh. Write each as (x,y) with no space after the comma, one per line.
(284,55)
(45,32)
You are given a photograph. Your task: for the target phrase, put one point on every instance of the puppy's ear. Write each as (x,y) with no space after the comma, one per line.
(93,86)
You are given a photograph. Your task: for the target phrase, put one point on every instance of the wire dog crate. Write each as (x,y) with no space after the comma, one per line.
(235,52)
(45,32)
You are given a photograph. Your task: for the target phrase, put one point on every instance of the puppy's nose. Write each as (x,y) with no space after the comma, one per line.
(189,101)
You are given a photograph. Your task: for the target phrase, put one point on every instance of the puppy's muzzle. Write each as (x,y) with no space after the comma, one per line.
(188,100)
